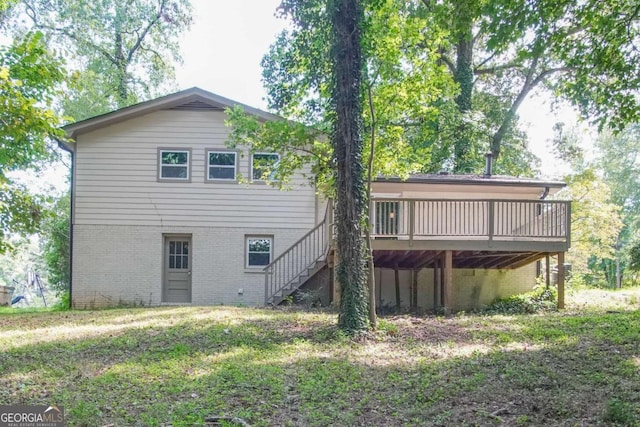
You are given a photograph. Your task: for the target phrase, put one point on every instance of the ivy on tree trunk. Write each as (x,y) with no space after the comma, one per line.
(348,145)
(464,77)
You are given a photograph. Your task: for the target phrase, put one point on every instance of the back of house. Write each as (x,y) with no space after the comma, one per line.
(159,215)
(163,212)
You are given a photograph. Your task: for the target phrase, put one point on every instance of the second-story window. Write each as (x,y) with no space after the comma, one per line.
(262,165)
(174,165)
(221,165)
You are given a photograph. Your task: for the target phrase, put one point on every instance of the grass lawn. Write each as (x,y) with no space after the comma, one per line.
(174,366)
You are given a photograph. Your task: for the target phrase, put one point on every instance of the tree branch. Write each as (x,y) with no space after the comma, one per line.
(492,70)
(155,53)
(476,37)
(506,122)
(448,62)
(428,4)
(547,73)
(145,31)
(32,14)
(529,84)
(489,58)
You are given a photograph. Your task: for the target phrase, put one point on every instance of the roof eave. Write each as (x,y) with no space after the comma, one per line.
(65,146)
(162,103)
(488,181)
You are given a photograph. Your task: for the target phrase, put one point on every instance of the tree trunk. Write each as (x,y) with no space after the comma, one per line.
(347,144)
(618,266)
(120,63)
(373,319)
(464,77)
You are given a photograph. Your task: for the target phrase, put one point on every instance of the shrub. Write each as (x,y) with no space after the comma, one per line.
(540,299)
(64,303)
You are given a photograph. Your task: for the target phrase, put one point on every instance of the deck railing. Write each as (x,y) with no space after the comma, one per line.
(283,274)
(472,219)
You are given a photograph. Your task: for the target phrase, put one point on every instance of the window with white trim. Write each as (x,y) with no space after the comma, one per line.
(259,250)
(174,164)
(262,165)
(221,165)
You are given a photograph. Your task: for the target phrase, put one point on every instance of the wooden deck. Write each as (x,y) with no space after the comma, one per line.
(440,234)
(534,226)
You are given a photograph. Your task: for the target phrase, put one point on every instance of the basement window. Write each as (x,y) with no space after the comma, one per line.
(259,250)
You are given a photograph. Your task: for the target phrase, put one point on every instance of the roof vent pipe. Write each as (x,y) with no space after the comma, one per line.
(488,165)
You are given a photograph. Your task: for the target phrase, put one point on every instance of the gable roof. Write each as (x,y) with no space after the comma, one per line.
(191,99)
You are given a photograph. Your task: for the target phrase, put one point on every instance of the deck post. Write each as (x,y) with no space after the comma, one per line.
(373,218)
(412,221)
(491,218)
(568,224)
(379,287)
(560,280)
(547,270)
(448,282)
(442,280)
(414,290)
(397,281)
(436,284)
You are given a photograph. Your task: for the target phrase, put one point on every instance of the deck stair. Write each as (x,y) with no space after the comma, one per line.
(299,263)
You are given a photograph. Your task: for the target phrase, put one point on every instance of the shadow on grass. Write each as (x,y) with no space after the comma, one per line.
(292,368)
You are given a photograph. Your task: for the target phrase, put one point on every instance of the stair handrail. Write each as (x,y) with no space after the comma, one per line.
(312,247)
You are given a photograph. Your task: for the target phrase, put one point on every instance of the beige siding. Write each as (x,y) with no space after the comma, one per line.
(116,179)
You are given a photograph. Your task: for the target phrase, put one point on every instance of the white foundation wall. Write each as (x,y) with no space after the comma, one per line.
(472,288)
(115,265)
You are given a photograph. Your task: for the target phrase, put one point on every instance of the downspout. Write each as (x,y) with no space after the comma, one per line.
(545,193)
(66,147)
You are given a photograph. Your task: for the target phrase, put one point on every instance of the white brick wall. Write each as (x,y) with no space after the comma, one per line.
(123,264)
(472,288)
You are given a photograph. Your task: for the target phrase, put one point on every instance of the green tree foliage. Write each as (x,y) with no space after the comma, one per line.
(301,148)
(596,219)
(618,157)
(123,51)
(585,52)
(16,264)
(595,224)
(56,248)
(29,75)
(634,257)
(402,83)
(447,78)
